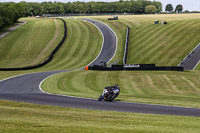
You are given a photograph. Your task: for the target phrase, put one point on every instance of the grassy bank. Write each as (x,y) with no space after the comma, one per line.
(167,88)
(31,43)
(23,118)
(160,44)
(81,47)
(149,43)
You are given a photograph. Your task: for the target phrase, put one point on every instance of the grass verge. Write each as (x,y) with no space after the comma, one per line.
(23,118)
(166,88)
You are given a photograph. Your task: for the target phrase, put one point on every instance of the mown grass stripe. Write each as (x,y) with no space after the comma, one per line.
(179,43)
(190,84)
(31,118)
(21,53)
(147,47)
(80,50)
(172,88)
(120,30)
(76,53)
(164,48)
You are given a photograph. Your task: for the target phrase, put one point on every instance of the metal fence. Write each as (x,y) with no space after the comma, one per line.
(126,46)
(86,14)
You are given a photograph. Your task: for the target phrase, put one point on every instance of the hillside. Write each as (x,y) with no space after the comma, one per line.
(149,43)
(83,44)
(31,43)
(165,45)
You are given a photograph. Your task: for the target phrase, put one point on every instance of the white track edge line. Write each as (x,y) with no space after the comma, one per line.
(109,61)
(18,76)
(96,99)
(80,68)
(82,97)
(103,41)
(58,94)
(196,65)
(101,45)
(115,38)
(188,54)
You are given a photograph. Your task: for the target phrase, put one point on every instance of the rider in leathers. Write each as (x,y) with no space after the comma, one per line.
(113,89)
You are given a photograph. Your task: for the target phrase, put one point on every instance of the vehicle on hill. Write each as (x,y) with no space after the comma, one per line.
(109,93)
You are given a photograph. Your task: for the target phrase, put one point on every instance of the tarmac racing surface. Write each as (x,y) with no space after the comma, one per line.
(26,88)
(192,59)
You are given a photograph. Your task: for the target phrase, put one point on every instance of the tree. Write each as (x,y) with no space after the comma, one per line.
(145,3)
(169,8)
(10,12)
(158,5)
(120,6)
(150,9)
(179,8)
(136,7)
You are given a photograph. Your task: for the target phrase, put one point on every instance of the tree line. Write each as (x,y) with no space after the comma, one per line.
(10,13)
(133,6)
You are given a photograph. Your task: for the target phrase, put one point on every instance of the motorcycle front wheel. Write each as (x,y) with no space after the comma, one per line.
(100,98)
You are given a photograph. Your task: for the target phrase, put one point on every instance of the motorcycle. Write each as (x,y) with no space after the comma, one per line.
(107,95)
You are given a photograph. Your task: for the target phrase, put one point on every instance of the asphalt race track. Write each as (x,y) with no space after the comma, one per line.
(109,42)
(25,88)
(192,59)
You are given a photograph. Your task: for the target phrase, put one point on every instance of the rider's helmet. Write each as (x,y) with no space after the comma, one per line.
(116,86)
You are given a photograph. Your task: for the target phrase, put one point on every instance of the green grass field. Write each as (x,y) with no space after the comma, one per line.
(167,88)
(83,44)
(30,44)
(153,43)
(160,44)
(81,47)
(23,118)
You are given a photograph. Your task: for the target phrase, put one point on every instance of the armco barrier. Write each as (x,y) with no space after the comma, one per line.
(136,67)
(48,59)
(126,45)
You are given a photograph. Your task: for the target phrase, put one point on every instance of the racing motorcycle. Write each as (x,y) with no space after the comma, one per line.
(109,94)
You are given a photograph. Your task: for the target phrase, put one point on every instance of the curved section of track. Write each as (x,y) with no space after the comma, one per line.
(25,88)
(192,59)
(109,42)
